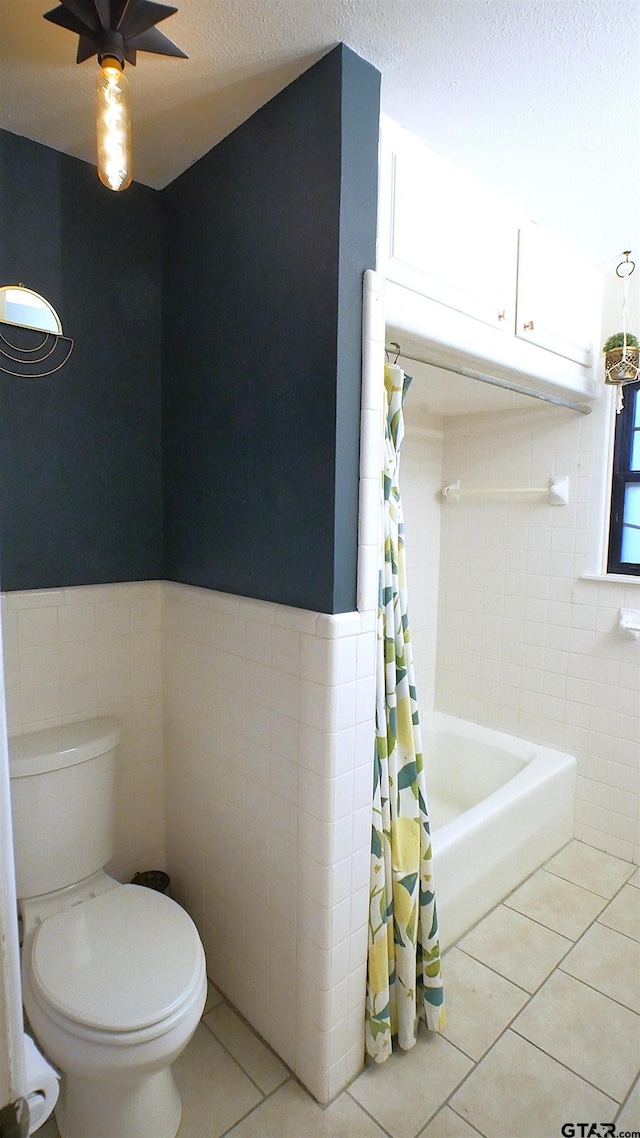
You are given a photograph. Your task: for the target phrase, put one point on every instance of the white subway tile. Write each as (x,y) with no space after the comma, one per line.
(341,624)
(38,665)
(316,795)
(372,375)
(318,659)
(112,618)
(78,695)
(317,706)
(371,444)
(35,599)
(112,653)
(368,563)
(37,627)
(298,620)
(286,694)
(284,735)
(285,650)
(370,511)
(345,705)
(40,703)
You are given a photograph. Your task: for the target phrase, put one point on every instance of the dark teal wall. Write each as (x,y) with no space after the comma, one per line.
(80,451)
(264,243)
(266,240)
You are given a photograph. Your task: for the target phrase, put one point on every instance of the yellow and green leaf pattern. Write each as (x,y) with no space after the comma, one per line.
(404,982)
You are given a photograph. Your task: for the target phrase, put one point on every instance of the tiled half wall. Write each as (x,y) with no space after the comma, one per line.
(268,737)
(260,769)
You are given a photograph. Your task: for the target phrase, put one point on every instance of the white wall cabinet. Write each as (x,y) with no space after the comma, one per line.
(558,297)
(446,242)
(454,241)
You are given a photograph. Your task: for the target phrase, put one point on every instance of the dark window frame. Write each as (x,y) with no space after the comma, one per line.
(622,477)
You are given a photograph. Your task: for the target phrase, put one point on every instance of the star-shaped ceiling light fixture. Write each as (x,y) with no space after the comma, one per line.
(115,31)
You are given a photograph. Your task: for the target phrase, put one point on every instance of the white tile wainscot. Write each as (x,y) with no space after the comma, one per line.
(76,653)
(268,756)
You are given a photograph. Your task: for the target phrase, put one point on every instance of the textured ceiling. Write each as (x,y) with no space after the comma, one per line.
(539,99)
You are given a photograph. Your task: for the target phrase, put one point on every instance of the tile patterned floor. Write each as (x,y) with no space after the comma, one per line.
(543,1029)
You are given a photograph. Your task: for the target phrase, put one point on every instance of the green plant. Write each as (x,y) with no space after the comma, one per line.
(618,339)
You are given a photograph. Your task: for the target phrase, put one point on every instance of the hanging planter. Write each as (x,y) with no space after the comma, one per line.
(621,359)
(621,363)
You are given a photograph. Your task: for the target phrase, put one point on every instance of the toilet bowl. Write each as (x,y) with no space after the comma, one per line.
(113,976)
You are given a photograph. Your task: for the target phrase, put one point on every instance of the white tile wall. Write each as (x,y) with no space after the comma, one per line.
(70,654)
(269,735)
(524,644)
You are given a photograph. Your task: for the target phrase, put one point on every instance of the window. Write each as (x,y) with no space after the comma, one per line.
(624,530)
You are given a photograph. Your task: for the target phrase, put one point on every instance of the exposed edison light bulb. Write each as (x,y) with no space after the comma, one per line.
(113,125)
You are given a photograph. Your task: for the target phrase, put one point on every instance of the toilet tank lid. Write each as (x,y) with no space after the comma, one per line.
(56,747)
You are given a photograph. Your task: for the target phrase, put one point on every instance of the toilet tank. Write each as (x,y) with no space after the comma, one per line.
(62,803)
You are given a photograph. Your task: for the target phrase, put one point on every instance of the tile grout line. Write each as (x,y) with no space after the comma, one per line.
(265,1094)
(501,975)
(566,1067)
(375,1121)
(509,1026)
(527,916)
(530,995)
(458,1115)
(224,1002)
(626,881)
(591,988)
(627,936)
(627,1097)
(253,1109)
(561,959)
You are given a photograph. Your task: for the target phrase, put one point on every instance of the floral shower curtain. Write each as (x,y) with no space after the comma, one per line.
(404,983)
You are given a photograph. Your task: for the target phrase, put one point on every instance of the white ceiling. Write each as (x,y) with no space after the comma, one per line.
(539,99)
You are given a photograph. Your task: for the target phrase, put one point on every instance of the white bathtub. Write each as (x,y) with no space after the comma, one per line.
(499,807)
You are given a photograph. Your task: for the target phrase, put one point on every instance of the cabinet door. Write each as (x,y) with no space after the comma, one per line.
(448,238)
(559,297)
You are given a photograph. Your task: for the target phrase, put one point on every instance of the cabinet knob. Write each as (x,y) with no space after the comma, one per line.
(502,315)
(529,326)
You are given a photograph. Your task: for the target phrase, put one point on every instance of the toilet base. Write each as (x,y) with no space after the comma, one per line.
(142,1108)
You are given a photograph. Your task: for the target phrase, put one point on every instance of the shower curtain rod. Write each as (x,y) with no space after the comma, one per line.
(482,377)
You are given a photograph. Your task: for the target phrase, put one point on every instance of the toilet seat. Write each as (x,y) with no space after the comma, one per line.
(126,961)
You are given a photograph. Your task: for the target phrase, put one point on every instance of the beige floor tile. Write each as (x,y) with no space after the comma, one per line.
(214,997)
(629,1117)
(519,1092)
(403,1093)
(215,1092)
(448,1124)
(251,1053)
(556,903)
(623,914)
(595,1037)
(608,961)
(635,880)
(516,947)
(292,1113)
(480,1004)
(592,869)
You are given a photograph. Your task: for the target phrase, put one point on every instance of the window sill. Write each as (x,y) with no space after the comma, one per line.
(612,578)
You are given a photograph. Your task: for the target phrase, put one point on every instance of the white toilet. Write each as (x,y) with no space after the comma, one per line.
(113,975)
